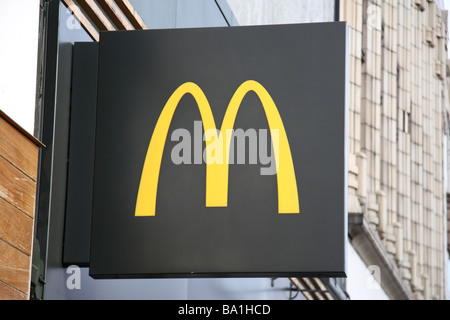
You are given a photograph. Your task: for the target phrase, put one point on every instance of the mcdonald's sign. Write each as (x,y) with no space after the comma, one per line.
(155,217)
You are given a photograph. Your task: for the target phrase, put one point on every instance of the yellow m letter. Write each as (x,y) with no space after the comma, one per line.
(217,173)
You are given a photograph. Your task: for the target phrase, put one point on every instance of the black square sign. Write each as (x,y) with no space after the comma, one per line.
(221,152)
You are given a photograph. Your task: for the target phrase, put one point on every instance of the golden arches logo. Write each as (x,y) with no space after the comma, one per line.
(217,172)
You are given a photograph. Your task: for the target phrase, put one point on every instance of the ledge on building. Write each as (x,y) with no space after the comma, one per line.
(372,251)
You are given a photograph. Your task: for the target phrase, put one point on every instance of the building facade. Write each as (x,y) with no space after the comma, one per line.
(398,146)
(398,112)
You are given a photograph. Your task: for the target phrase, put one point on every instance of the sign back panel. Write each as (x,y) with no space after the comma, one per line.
(169,94)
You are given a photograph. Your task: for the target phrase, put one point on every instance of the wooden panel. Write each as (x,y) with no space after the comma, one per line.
(19,152)
(82,19)
(16,228)
(21,130)
(113,12)
(131,14)
(10,293)
(17,188)
(96,15)
(14,267)
(17,149)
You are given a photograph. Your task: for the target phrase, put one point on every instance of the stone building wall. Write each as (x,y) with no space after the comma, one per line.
(398,85)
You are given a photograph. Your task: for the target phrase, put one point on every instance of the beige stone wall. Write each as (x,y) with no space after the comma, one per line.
(396,125)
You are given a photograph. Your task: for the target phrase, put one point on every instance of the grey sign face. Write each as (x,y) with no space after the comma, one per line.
(153,83)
